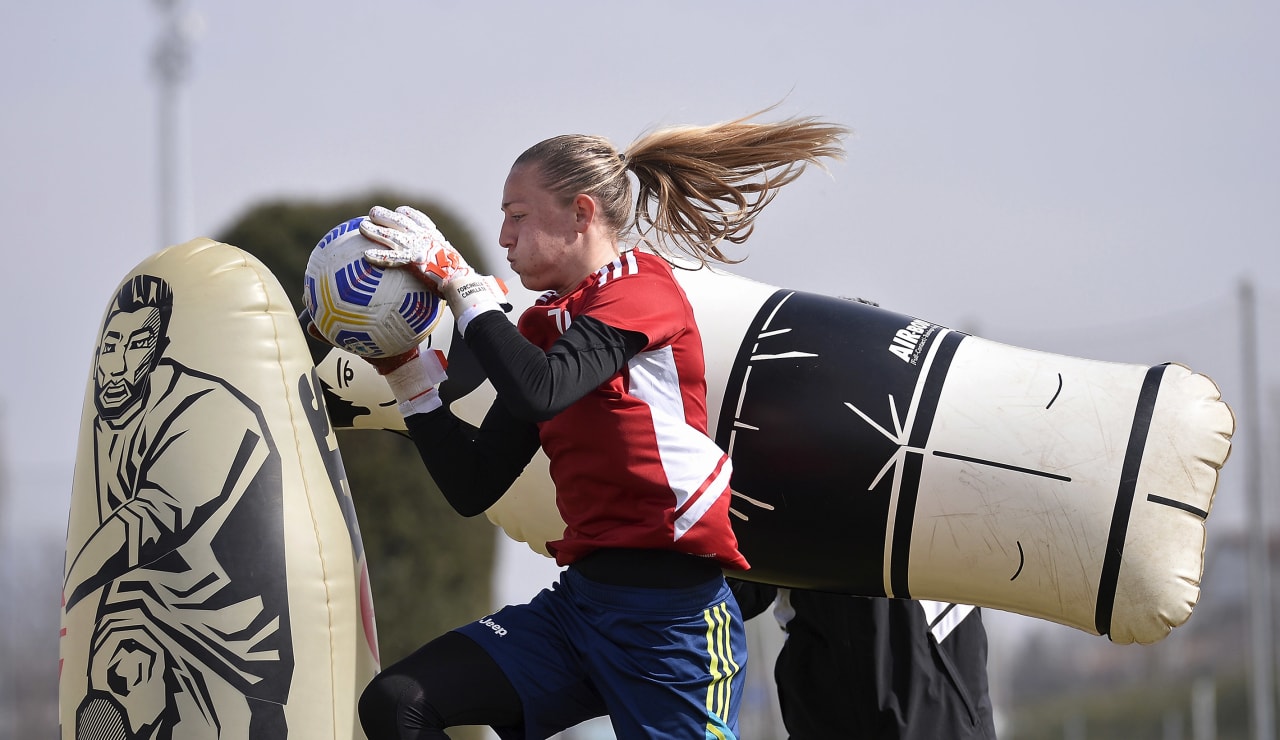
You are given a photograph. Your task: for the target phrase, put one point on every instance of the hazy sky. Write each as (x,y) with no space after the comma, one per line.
(1088,178)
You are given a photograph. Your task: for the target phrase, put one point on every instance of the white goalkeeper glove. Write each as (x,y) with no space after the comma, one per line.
(412,241)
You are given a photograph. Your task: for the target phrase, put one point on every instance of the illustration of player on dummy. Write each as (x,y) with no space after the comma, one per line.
(191,636)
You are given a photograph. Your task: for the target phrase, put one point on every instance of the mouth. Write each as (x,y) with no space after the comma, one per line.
(114,393)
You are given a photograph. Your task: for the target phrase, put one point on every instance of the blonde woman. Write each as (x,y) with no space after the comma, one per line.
(604,373)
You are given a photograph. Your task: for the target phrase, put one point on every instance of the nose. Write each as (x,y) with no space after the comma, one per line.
(506,238)
(112,363)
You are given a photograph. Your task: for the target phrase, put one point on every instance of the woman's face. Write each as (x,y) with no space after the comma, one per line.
(541,234)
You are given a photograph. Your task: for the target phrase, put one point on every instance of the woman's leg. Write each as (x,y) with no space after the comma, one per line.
(449,681)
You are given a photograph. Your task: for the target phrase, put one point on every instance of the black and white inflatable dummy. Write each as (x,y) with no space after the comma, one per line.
(880,454)
(215,581)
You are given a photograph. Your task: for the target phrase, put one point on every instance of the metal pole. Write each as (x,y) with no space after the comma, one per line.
(171,63)
(1074,727)
(1262,655)
(1204,709)
(1268,475)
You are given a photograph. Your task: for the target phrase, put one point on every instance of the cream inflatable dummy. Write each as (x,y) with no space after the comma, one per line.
(880,454)
(215,582)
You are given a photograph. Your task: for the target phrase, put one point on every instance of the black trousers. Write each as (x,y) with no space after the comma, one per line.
(878,669)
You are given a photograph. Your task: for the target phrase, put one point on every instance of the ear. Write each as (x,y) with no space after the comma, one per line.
(584,212)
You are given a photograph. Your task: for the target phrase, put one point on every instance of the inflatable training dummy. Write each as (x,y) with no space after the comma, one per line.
(880,454)
(215,583)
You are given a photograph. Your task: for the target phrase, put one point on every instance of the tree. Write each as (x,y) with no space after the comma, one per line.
(430,568)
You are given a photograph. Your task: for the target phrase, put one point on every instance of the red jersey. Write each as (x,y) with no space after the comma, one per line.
(631,461)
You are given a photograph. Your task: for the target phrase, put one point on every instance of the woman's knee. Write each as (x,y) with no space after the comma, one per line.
(435,688)
(394,703)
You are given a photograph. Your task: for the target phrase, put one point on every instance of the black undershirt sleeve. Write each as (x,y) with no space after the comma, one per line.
(537,385)
(473,466)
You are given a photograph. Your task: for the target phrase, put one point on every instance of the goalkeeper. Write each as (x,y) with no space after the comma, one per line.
(605,373)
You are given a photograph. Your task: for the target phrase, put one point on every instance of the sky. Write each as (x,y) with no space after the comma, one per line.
(1095,179)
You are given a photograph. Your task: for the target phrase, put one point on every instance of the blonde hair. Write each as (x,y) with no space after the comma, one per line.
(698,186)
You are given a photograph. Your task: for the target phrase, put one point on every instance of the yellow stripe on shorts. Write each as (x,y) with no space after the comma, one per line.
(723,665)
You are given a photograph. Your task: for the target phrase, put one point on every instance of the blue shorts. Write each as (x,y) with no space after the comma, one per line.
(662,663)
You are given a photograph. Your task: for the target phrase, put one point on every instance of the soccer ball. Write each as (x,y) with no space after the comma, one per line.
(366,310)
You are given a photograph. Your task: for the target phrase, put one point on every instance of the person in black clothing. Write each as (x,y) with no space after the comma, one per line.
(876,668)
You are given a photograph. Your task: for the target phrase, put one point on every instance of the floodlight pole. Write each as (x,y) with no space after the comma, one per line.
(1262,658)
(171,62)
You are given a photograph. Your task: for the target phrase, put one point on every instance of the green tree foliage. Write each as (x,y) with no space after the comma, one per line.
(430,568)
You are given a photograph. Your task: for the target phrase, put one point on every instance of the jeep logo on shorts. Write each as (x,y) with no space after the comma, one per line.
(498,629)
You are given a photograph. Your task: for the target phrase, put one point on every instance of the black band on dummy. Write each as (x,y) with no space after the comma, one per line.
(1124,499)
(816,418)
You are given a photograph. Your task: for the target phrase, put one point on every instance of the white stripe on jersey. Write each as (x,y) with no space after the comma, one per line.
(944,617)
(689,457)
(624,265)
